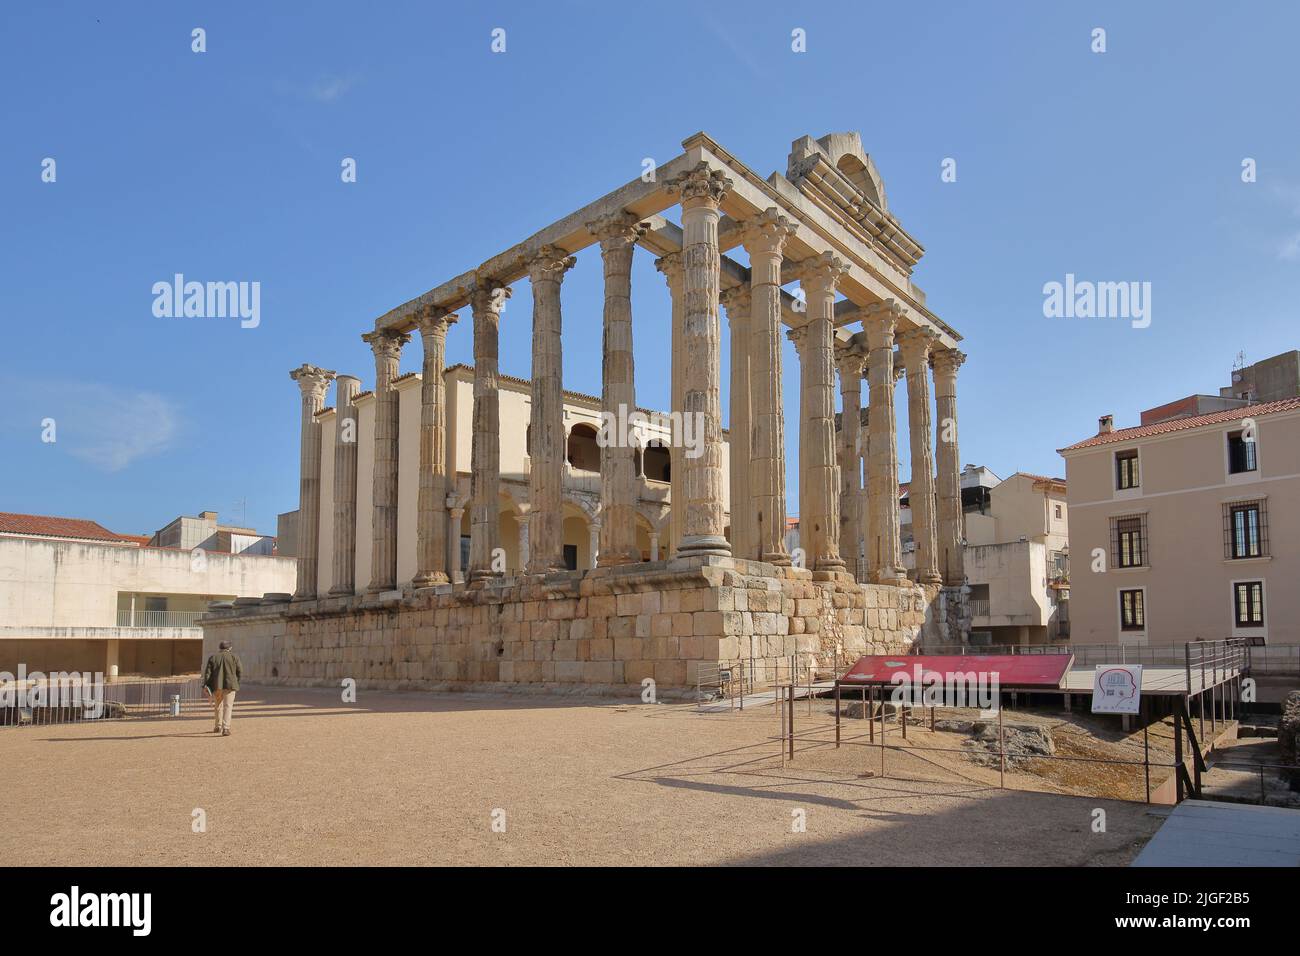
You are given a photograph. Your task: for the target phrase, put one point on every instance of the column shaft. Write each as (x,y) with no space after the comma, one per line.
(619,484)
(916,345)
(949,529)
(744,540)
(821,472)
(345,486)
(312,384)
(486,302)
(702,192)
(880,322)
(387,347)
(546,465)
(431,519)
(671,267)
(764,240)
(851,362)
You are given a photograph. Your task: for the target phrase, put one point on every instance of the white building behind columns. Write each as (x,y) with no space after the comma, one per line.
(581,491)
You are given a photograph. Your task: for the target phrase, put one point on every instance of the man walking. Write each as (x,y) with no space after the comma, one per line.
(221,678)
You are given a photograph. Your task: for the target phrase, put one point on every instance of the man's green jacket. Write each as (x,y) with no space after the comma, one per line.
(222,671)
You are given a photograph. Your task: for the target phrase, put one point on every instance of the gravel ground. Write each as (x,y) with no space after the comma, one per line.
(415,779)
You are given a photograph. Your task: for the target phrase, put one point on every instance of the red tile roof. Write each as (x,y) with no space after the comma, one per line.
(50,527)
(1182,424)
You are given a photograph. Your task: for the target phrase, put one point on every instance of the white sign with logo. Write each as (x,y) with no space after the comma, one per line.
(1117,689)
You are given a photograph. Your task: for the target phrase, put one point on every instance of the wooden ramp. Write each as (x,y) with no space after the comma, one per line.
(1205,833)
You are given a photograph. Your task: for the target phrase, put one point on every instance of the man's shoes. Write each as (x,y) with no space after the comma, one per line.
(216,730)
(225,733)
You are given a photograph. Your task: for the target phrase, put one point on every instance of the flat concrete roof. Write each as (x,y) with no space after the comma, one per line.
(1204,833)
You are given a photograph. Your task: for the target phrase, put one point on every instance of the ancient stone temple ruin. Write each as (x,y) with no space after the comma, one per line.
(666,586)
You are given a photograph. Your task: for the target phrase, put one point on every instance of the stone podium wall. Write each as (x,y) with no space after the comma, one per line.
(602,629)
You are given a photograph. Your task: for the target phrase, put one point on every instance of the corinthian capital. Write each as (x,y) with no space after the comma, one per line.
(489,295)
(671,267)
(947,361)
(386,343)
(799,336)
(766,233)
(617,228)
(850,360)
(312,380)
(821,274)
(879,321)
(738,300)
(434,320)
(700,186)
(550,264)
(915,345)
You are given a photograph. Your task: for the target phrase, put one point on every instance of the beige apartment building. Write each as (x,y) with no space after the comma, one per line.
(1017,557)
(1188,528)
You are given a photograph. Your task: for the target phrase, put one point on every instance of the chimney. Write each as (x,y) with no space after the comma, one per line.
(208,515)
(1105,424)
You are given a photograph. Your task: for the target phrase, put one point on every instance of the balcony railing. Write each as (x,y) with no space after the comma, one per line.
(979,607)
(129,618)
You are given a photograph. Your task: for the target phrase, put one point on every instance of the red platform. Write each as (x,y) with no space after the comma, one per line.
(1014,671)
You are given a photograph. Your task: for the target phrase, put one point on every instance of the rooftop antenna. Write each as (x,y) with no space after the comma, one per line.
(241,505)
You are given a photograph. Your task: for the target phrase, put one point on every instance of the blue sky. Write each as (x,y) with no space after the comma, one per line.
(1122,166)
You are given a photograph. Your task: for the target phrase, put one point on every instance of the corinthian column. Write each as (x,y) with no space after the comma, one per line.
(312,383)
(546,471)
(880,321)
(671,267)
(486,301)
(817,407)
(345,485)
(618,233)
(431,518)
(764,239)
(387,347)
(915,346)
(702,192)
(950,532)
(851,361)
(744,541)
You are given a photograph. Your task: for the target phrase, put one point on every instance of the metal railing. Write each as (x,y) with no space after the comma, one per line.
(72,700)
(979,607)
(128,618)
